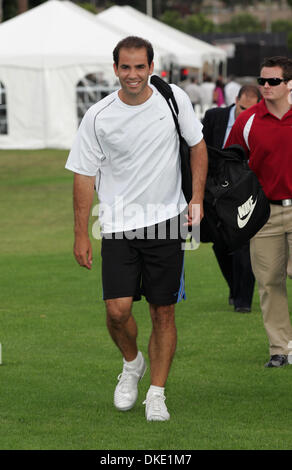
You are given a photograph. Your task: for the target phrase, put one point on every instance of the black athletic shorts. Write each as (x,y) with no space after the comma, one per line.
(140,266)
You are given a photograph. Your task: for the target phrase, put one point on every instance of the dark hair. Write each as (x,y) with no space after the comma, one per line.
(219,83)
(133,41)
(249,90)
(280,61)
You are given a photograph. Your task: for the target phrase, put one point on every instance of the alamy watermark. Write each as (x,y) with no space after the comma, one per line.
(119,216)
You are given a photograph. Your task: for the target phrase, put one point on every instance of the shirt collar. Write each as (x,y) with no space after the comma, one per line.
(263,110)
(231,119)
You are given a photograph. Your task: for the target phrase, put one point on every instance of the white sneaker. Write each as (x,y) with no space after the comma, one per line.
(155,407)
(126,391)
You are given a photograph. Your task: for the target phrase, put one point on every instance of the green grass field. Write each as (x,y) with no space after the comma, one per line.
(60,367)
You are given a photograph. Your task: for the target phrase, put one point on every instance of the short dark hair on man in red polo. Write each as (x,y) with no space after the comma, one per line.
(280,61)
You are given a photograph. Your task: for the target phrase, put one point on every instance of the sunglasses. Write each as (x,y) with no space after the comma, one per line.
(271,81)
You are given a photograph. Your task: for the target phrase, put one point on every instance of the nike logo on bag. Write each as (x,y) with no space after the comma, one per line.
(245,211)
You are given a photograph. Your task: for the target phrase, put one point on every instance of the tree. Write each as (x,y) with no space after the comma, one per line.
(88,6)
(35,3)
(9,9)
(173,18)
(281,26)
(198,24)
(242,23)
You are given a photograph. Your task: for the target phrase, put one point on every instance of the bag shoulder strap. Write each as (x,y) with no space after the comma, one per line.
(166,91)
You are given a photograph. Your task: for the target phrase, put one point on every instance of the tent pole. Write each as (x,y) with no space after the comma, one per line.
(149,9)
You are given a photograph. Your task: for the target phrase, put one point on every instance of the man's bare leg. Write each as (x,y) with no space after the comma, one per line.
(162,342)
(122,326)
(123,330)
(162,347)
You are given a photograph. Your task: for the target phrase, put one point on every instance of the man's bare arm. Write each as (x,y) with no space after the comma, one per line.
(199,168)
(83,191)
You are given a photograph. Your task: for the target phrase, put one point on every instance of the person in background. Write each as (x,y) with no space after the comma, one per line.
(207,90)
(218,94)
(235,267)
(231,91)
(192,89)
(265,132)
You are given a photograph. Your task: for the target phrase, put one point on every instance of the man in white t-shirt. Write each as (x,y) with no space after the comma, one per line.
(127,146)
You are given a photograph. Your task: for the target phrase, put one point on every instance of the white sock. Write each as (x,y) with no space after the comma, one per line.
(156,389)
(135,362)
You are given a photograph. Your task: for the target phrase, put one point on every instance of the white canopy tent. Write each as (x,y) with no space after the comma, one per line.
(44,53)
(187,51)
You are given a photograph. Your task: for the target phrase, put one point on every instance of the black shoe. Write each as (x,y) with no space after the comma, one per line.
(242,309)
(278,360)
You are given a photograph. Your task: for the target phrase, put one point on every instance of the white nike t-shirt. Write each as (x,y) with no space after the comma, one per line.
(134,153)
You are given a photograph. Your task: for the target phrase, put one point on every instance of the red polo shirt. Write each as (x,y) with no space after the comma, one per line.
(268,143)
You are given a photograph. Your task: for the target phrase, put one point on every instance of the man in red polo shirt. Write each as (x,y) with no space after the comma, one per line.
(265,131)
